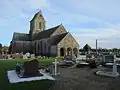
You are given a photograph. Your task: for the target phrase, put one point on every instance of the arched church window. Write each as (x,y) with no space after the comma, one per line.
(40,25)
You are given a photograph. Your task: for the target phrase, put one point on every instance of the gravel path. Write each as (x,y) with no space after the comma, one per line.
(84,79)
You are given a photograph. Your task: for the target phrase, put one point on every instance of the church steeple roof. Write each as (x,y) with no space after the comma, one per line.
(38,14)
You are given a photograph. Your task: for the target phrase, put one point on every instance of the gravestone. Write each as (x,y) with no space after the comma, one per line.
(25,57)
(74,57)
(5,56)
(31,68)
(39,57)
(16,55)
(28,55)
(1,57)
(114,72)
(9,57)
(108,58)
(68,58)
(32,56)
(81,57)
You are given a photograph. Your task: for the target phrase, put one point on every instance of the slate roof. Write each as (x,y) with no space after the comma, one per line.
(56,39)
(21,36)
(46,33)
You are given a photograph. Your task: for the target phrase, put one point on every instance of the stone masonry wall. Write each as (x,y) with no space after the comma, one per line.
(67,42)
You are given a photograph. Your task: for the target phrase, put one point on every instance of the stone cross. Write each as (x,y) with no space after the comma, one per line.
(55,67)
(114,65)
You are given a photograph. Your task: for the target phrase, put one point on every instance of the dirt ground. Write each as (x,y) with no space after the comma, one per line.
(84,79)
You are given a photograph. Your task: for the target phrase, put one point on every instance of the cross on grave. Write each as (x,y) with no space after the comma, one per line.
(53,69)
(114,72)
(115,66)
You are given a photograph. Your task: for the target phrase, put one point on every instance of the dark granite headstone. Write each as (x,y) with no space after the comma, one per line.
(31,68)
(108,58)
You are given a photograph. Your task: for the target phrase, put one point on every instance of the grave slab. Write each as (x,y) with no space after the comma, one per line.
(114,72)
(13,77)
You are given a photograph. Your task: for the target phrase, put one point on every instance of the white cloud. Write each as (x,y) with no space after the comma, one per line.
(107,37)
(105,9)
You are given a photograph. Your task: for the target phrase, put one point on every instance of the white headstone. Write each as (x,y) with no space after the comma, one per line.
(32,56)
(9,57)
(81,57)
(17,53)
(27,54)
(92,57)
(74,57)
(25,57)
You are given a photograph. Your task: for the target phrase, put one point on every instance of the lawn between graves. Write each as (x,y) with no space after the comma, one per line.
(6,65)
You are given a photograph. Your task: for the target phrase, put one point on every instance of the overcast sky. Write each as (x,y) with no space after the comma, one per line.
(86,20)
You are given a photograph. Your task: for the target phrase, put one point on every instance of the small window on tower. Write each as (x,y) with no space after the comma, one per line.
(40,25)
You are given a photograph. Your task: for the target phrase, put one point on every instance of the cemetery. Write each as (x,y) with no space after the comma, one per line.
(84,71)
(50,73)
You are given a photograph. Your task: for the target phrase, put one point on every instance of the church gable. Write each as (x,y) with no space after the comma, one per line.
(54,40)
(68,41)
(59,30)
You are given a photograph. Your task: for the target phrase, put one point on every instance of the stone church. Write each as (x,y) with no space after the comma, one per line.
(55,41)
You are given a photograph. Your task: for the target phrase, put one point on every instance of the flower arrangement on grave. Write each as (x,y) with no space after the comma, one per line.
(18,68)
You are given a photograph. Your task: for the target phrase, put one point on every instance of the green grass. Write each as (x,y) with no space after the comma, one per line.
(6,65)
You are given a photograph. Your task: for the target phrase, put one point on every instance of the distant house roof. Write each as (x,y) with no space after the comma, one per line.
(56,39)
(5,48)
(46,33)
(21,36)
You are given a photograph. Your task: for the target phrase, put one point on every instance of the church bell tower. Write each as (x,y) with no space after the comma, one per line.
(37,24)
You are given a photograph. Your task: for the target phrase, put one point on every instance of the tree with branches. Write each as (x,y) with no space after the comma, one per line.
(0,48)
(86,48)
